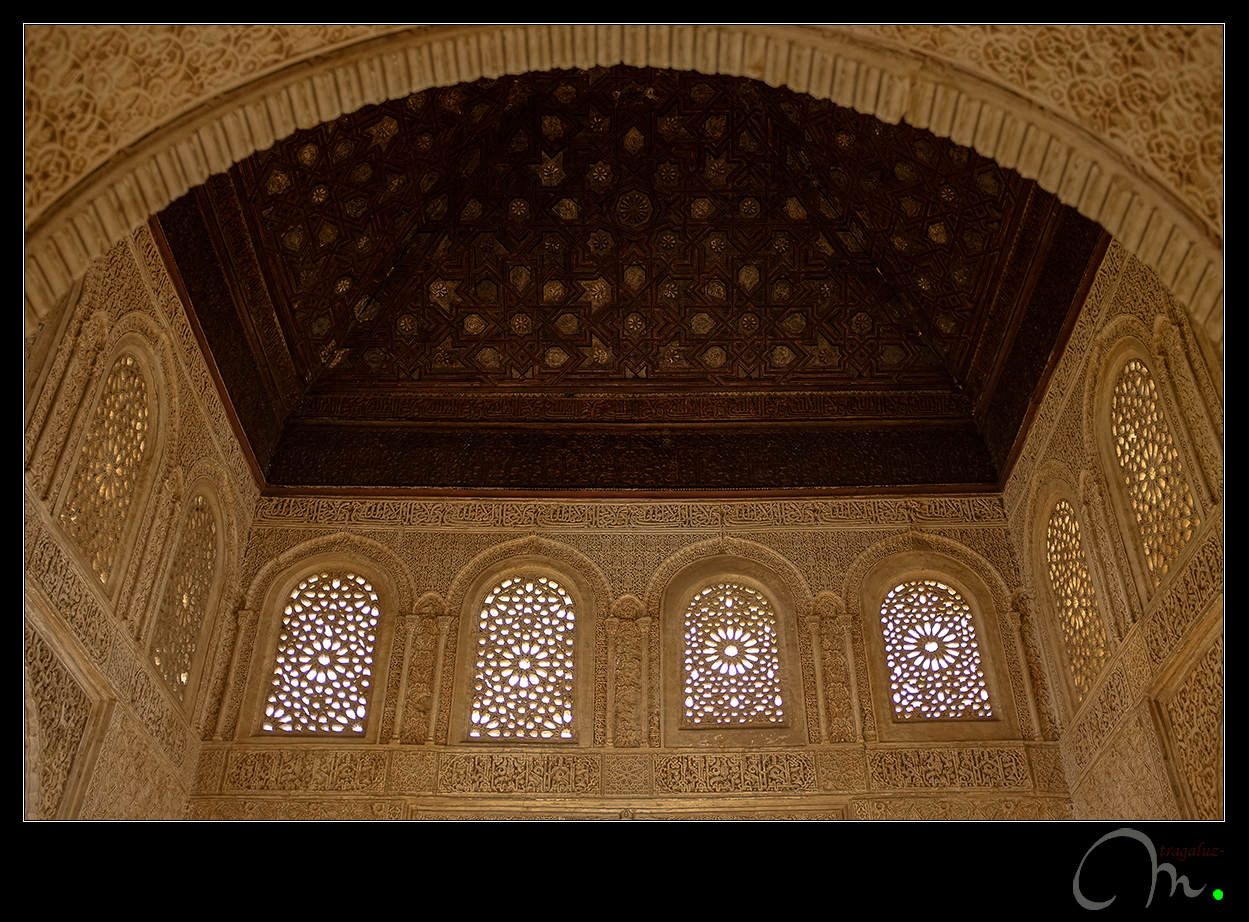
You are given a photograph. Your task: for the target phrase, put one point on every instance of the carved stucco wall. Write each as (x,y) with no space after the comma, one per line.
(105,739)
(112,741)
(128,749)
(1104,756)
(1114,739)
(1123,122)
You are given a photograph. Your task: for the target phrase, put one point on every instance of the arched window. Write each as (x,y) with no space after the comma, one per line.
(730,670)
(523,685)
(1150,467)
(185,604)
(1074,598)
(931,653)
(937,661)
(732,667)
(323,670)
(110,467)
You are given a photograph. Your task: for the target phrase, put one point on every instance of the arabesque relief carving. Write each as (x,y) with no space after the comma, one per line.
(519,774)
(970,808)
(1136,86)
(305,770)
(131,780)
(158,751)
(62,709)
(757,773)
(1128,780)
(970,767)
(1196,718)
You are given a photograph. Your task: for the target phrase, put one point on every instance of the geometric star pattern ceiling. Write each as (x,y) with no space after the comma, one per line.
(641,254)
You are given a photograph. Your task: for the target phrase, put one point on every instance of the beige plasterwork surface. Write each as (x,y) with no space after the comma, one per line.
(93,89)
(1155,90)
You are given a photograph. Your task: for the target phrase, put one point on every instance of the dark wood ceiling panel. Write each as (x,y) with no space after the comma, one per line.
(661,254)
(646,461)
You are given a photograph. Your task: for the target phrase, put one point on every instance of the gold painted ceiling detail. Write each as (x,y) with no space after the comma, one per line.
(704,231)
(576,262)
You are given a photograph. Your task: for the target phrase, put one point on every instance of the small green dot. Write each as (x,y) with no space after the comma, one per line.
(1218,894)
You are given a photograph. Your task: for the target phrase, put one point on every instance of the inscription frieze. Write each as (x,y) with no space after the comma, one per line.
(969,767)
(305,770)
(768,772)
(279,511)
(976,808)
(517,774)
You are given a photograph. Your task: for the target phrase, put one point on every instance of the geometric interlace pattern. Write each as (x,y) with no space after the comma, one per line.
(732,659)
(324,665)
(1151,470)
(523,685)
(108,471)
(1077,602)
(186,598)
(931,652)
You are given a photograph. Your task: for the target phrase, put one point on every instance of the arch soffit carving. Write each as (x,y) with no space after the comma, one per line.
(785,571)
(533,550)
(389,566)
(881,78)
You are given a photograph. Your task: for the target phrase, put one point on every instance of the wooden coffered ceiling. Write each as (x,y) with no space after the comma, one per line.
(628,280)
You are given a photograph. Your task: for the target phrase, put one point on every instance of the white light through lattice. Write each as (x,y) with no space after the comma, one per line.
(931,652)
(524,683)
(732,659)
(324,665)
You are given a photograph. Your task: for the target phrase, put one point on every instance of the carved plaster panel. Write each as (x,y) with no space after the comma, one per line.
(970,767)
(1195,716)
(131,781)
(963,808)
(56,726)
(1128,780)
(1142,86)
